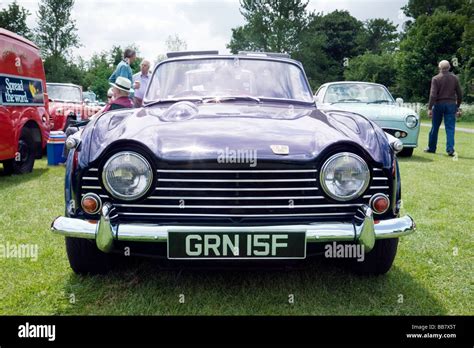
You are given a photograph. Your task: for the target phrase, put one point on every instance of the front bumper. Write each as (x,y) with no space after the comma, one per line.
(363,230)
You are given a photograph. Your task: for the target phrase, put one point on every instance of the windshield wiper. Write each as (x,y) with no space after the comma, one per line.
(379,101)
(346,100)
(230,98)
(175,100)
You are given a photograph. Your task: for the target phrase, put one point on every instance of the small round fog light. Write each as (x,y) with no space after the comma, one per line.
(91,203)
(397,134)
(379,203)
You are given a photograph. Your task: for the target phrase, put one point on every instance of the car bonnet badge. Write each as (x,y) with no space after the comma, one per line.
(280,149)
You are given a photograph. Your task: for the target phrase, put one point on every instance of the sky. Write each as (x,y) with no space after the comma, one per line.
(203,24)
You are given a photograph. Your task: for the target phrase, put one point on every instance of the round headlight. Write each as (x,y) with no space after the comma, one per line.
(411,121)
(127,175)
(345,176)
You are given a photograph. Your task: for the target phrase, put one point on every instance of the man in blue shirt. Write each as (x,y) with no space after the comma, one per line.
(143,77)
(123,68)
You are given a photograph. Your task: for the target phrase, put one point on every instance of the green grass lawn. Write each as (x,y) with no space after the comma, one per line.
(432,273)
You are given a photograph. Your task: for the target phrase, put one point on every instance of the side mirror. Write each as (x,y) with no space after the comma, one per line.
(399,101)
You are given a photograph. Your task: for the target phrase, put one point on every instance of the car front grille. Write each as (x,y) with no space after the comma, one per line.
(235,196)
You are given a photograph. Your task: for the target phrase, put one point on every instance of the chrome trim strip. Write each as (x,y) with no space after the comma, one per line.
(91,187)
(234,215)
(238,171)
(235,180)
(378,187)
(377,169)
(240,198)
(93,169)
(235,189)
(379,179)
(176,206)
(101,196)
(89,178)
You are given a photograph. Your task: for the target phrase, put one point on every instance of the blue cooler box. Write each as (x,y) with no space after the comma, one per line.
(55,148)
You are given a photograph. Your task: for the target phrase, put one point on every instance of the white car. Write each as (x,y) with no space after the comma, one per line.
(375,102)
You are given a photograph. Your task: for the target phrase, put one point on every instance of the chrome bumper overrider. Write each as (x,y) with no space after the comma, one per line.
(105,233)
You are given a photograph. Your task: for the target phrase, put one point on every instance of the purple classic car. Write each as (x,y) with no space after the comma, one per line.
(229,159)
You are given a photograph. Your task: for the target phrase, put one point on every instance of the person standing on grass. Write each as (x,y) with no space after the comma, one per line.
(143,77)
(123,68)
(445,100)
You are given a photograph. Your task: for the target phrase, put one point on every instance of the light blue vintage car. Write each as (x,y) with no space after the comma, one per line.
(375,102)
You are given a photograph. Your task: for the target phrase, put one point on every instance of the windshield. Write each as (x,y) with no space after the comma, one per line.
(64,93)
(230,77)
(89,96)
(357,93)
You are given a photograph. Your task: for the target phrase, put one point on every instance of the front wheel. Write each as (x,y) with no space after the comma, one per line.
(379,260)
(406,152)
(85,258)
(25,157)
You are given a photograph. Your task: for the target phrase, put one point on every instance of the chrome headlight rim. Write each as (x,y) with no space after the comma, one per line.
(354,195)
(118,195)
(409,124)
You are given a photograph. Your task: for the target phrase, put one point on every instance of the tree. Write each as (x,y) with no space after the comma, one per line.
(429,40)
(381,35)
(272,25)
(328,43)
(417,8)
(99,68)
(56,31)
(13,18)
(466,55)
(173,44)
(370,67)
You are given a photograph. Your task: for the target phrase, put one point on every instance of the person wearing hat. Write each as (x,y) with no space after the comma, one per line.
(121,91)
(120,96)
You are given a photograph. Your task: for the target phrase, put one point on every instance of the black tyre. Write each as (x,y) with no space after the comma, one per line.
(25,159)
(85,258)
(406,152)
(379,260)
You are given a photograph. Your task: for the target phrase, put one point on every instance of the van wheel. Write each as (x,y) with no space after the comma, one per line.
(406,152)
(379,260)
(25,157)
(85,258)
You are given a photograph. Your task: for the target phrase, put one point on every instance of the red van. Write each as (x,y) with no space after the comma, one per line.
(24,119)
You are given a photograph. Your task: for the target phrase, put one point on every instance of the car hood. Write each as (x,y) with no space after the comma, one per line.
(54,105)
(216,128)
(375,112)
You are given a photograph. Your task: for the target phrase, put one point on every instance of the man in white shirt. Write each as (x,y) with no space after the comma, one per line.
(143,77)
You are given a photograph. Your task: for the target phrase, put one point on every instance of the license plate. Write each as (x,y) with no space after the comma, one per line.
(243,245)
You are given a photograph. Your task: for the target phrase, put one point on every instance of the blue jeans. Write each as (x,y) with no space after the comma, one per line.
(448,111)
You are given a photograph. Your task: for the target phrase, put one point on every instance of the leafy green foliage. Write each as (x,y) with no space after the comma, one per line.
(56,31)
(272,25)
(13,18)
(430,40)
(381,35)
(370,67)
(417,8)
